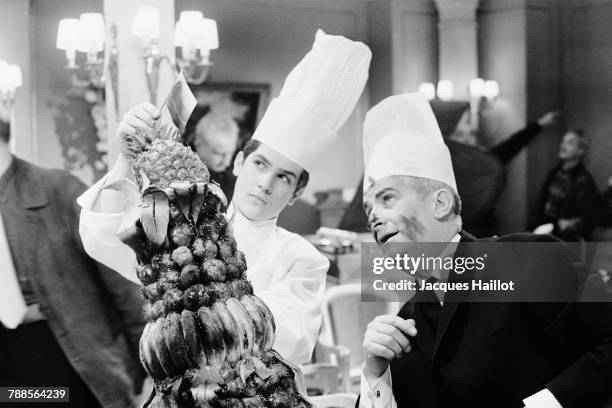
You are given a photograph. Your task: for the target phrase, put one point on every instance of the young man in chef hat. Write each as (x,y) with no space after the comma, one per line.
(448,349)
(286,271)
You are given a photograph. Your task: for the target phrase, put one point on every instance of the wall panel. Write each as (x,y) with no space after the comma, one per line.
(587,78)
(502,56)
(544,69)
(415,45)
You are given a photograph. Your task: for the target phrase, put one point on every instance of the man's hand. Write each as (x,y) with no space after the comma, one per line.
(385,338)
(548,118)
(141,117)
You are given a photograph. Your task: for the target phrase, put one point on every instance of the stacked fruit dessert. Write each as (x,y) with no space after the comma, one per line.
(208,339)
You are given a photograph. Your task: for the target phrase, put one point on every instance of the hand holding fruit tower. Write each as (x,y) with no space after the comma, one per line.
(208,339)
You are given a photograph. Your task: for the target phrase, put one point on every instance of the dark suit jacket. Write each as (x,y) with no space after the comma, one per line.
(95,314)
(495,354)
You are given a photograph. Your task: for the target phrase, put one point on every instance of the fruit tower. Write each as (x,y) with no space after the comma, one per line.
(208,339)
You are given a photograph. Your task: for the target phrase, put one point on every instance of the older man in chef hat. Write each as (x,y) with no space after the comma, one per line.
(286,271)
(447,349)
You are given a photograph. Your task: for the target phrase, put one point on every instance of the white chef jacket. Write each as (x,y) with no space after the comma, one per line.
(286,271)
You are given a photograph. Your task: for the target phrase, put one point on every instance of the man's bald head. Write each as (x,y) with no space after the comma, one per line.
(216,140)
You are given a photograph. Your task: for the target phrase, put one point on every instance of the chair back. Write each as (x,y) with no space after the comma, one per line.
(320,378)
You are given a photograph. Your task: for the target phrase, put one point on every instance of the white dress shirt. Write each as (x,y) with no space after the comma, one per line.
(286,271)
(13,308)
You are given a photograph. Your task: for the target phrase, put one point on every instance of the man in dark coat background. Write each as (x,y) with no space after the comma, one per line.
(570,200)
(78,323)
(454,349)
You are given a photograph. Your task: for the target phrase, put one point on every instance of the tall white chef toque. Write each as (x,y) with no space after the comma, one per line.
(401,137)
(317,97)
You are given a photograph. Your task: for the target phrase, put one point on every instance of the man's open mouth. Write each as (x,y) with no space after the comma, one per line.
(387,236)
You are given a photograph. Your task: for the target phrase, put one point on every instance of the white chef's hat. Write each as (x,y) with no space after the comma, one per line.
(401,137)
(317,98)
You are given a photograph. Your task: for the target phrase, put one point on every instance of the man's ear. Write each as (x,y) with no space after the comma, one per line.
(443,203)
(296,195)
(238,163)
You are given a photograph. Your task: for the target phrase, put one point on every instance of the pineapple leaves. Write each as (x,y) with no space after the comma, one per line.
(216,190)
(250,365)
(246,368)
(183,196)
(155,215)
(130,235)
(146,182)
(297,374)
(128,228)
(133,145)
(198,196)
(128,232)
(260,368)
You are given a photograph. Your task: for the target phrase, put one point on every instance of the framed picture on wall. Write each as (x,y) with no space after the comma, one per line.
(244,102)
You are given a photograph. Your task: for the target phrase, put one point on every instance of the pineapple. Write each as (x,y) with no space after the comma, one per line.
(163,158)
(208,339)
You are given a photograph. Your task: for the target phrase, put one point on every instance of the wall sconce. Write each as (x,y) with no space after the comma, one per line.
(476,88)
(196,36)
(10,80)
(428,90)
(146,26)
(476,91)
(480,88)
(193,33)
(491,89)
(84,35)
(445,90)
(482,92)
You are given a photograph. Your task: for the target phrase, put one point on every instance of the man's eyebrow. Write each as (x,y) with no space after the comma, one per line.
(376,197)
(288,173)
(262,158)
(383,191)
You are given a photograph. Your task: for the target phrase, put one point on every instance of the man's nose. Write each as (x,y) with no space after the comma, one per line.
(266,182)
(373,219)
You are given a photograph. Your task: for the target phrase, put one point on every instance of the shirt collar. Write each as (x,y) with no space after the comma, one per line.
(24,184)
(247,231)
(449,251)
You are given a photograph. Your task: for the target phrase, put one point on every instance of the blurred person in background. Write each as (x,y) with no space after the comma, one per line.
(215,137)
(570,200)
(65,321)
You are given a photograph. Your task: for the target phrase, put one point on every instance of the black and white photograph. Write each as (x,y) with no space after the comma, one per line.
(306,203)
